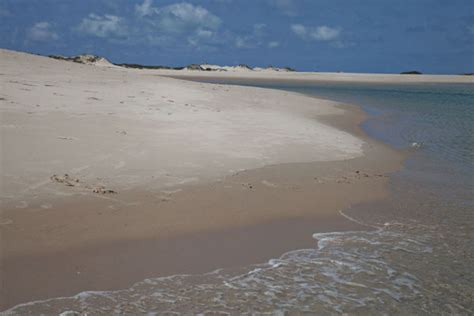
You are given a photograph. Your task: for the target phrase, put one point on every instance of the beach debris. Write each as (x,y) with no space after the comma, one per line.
(416,145)
(103,190)
(66,180)
(65,138)
(247,185)
(121,132)
(69,181)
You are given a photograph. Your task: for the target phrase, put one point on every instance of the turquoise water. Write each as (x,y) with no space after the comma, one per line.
(417,259)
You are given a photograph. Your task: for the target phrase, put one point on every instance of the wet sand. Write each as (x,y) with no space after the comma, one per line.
(173,207)
(246,218)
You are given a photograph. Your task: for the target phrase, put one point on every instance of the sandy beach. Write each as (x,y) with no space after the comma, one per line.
(220,157)
(112,175)
(302,77)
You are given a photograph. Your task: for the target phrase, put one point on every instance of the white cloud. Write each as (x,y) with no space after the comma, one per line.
(252,39)
(42,32)
(144,9)
(103,26)
(178,17)
(179,24)
(287,7)
(325,33)
(299,30)
(319,33)
(242,42)
(202,37)
(273,44)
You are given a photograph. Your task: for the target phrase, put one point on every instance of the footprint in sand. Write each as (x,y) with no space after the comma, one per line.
(103,190)
(66,138)
(248,185)
(66,180)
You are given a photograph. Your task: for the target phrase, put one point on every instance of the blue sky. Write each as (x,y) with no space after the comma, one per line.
(433,36)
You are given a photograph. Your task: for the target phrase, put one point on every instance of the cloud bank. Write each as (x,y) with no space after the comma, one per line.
(103,25)
(42,32)
(319,33)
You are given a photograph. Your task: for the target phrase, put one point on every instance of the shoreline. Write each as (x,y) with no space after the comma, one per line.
(68,272)
(83,242)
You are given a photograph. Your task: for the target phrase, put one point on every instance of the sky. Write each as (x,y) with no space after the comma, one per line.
(381,36)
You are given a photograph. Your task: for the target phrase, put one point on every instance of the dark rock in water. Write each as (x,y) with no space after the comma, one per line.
(416,145)
(413,72)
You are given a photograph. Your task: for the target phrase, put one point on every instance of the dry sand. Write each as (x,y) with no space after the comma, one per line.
(269,74)
(111,175)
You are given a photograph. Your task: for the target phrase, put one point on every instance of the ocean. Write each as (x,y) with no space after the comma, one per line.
(416,257)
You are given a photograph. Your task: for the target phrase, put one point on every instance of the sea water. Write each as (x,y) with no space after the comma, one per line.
(416,258)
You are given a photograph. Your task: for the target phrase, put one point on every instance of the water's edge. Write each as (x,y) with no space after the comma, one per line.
(352,272)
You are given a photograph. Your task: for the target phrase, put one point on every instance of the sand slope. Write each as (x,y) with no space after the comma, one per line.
(122,129)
